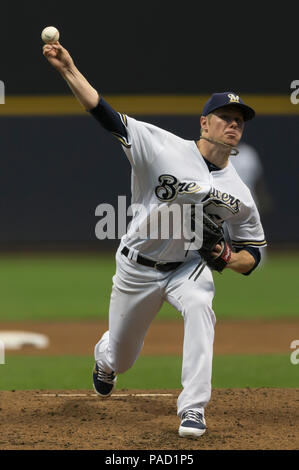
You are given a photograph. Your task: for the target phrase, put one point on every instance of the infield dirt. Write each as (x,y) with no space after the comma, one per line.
(163,337)
(236,418)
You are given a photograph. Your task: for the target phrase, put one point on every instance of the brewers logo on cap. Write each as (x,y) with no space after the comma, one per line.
(233,98)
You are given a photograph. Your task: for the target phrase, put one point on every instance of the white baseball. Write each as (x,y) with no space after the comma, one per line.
(50,34)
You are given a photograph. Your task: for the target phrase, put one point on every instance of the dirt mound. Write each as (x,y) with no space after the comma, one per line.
(146,420)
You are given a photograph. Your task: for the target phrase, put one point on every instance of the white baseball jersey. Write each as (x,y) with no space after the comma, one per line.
(167,170)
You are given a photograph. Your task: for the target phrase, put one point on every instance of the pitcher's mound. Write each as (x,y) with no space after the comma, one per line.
(248,418)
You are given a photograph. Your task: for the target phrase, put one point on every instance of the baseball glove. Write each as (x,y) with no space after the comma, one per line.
(213,235)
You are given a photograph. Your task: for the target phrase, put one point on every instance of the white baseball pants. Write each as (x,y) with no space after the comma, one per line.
(138,293)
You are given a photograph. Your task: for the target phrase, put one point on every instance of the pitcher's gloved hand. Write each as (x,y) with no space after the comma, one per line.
(215,249)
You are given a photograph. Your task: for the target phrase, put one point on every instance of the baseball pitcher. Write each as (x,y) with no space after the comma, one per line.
(167,169)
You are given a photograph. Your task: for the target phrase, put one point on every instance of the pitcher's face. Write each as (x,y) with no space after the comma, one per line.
(225,125)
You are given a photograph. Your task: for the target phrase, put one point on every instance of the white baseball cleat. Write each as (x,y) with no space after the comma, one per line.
(103,382)
(193,424)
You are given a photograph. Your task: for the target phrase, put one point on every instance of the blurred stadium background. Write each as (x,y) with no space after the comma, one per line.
(57,164)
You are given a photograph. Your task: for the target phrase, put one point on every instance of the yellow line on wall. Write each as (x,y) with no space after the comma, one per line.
(55,105)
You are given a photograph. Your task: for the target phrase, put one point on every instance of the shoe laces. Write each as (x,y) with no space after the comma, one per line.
(106,377)
(193,416)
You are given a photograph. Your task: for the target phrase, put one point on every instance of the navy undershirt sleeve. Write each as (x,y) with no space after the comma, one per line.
(109,118)
(255,252)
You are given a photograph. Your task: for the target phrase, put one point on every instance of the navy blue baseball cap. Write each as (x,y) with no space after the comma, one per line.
(228,98)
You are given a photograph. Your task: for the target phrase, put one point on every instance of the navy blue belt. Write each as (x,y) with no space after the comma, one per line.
(159,265)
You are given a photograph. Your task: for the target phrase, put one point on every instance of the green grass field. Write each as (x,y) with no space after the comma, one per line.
(57,287)
(69,372)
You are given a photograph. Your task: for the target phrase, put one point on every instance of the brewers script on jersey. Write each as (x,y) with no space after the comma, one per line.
(167,170)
